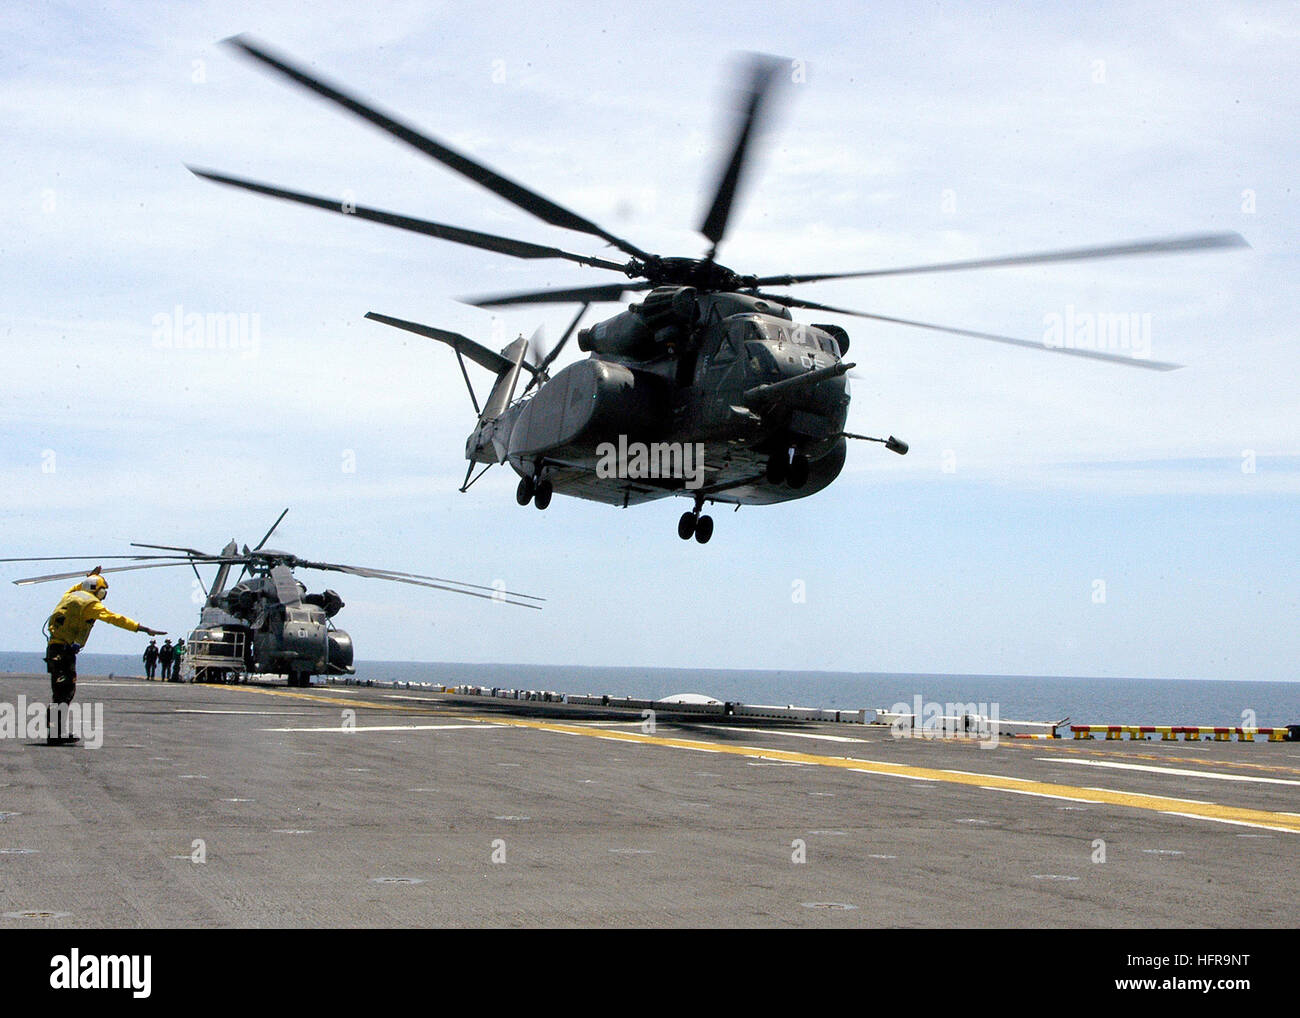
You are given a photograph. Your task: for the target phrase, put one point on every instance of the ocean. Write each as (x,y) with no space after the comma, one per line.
(1023,698)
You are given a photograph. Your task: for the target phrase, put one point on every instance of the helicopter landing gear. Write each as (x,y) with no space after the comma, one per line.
(534,489)
(692,524)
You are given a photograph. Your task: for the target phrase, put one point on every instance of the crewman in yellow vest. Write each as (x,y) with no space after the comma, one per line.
(68,628)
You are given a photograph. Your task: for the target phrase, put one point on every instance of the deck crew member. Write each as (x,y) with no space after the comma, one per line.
(178,659)
(151,658)
(68,628)
(165,654)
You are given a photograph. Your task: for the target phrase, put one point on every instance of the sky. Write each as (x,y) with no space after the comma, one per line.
(1055,516)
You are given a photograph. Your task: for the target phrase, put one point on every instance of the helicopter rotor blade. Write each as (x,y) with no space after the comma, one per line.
(443,231)
(267,536)
(114,569)
(479,354)
(518,195)
(168,547)
(396,574)
(555,350)
(87,558)
(500,596)
(1167,245)
(607,293)
(763,75)
(1101,355)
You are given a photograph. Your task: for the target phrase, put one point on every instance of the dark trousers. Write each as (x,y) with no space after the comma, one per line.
(61,662)
(150,667)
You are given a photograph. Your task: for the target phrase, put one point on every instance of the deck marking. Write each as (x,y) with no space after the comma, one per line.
(1041,795)
(770,731)
(1178,772)
(385,728)
(1240,815)
(271,713)
(1067,746)
(1226,820)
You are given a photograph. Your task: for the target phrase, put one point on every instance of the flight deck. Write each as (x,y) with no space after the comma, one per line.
(333,806)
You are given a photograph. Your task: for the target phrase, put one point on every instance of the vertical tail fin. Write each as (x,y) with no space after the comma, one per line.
(223,570)
(504,389)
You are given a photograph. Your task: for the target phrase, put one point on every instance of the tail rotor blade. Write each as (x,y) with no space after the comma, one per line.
(555,350)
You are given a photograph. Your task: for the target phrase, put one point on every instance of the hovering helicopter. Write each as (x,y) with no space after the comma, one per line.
(268,623)
(710,361)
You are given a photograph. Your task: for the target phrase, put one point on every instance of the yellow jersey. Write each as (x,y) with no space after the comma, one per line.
(77,612)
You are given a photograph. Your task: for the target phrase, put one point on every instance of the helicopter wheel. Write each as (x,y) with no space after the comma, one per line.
(686,526)
(778,466)
(542,497)
(524,493)
(703,529)
(798,475)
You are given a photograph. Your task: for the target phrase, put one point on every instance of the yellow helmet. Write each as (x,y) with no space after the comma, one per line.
(96,584)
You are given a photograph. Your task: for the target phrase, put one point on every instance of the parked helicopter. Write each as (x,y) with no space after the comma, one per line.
(710,362)
(268,623)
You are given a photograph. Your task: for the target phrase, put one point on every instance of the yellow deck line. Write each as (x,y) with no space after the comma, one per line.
(1132,800)
(1068,746)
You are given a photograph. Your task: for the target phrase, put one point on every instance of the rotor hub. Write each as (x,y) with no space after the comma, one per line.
(702,273)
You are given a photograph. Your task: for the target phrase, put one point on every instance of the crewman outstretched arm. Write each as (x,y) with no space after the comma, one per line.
(102,614)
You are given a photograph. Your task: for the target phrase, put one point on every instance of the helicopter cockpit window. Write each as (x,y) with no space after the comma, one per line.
(795,334)
(761,362)
(732,342)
